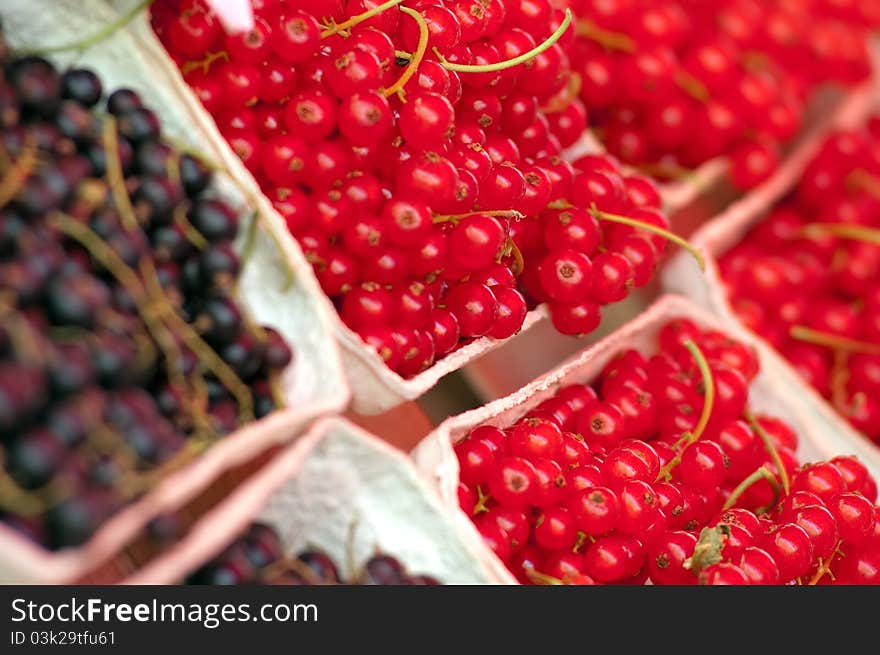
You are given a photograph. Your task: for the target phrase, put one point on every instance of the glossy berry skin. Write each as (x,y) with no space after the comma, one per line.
(759,567)
(566,275)
(723,573)
(666,560)
(791,548)
(555,529)
(475,307)
(476,460)
(476,241)
(820,525)
(703,465)
(533,438)
(613,558)
(854,517)
(426,120)
(296,36)
(595,510)
(513,482)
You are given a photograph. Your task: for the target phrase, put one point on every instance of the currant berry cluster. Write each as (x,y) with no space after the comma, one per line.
(414,152)
(123,352)
(807,277)
(659,471)
(257,557)
(670,85)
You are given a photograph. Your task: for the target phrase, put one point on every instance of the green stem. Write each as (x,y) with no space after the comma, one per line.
(843,231)
(413,65)
(509,63)
(606,38)
(801,333)
(641,225)
(757,475)
(770,447)
(102,34)
(500,213)
(708,403)
(360,18)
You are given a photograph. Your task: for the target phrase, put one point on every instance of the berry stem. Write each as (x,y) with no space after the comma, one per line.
(825,567)
(864,181)
(268,573)
(518,263)
(100,35)
(14,178)
(692,86)
(128,279)
(205,62)
(482,501)
(839,378)
(250,200)
(277,390)
(189,231)
(705,415)
(214,363)
(666,234)
(498,213)
(610,40)
(844,231)
(803,333)
(16,500)
(542,578)
(360,18)
(761,473)
(560,102)
(27,343)
(770,447)
(708,385)
(509,63)
(115,178)
(413,65)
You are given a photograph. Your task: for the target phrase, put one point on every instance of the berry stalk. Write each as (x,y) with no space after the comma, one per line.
(641,225)
(417,57)
(705,415)
(803,333)
(770,448)
(360,18)
(14,178)
(606,38)
(498,213)
(761,473)
(510,63)
(843,231)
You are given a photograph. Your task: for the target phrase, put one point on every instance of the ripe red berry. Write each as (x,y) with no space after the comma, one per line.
(595,509)
(476,241)
(513,482)
(555,529)
(703,465)
(613,558)
(533,437)
(427,120)
(667,558)
(854,515)
(475,307)
(566,275)
(296,36)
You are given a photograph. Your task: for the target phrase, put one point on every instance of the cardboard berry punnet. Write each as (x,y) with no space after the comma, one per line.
(276,288)
(342,491)
(435,458)
(715,237)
